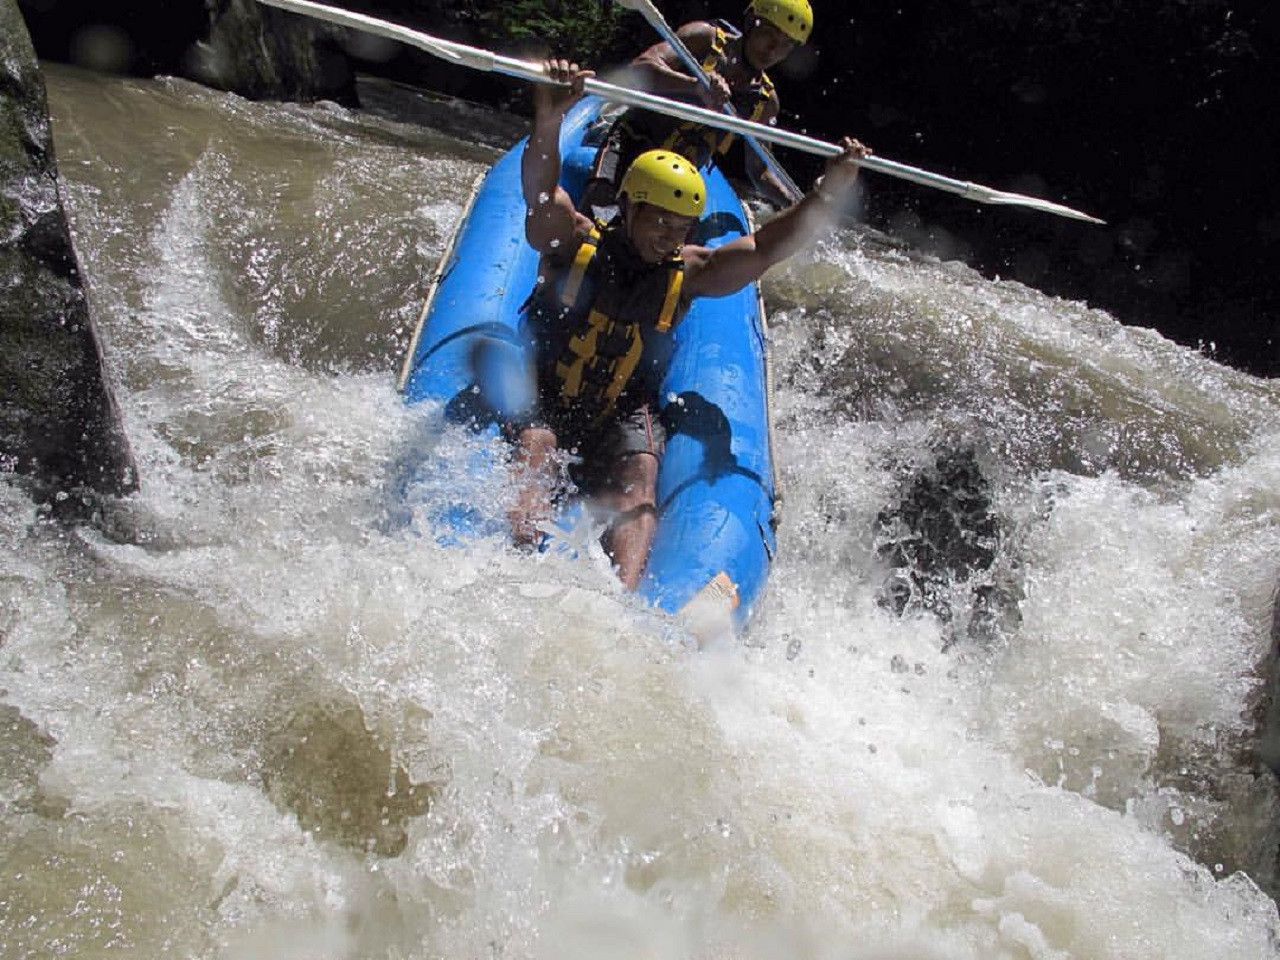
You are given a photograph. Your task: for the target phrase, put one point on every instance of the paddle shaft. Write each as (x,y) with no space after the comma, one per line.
(478,59)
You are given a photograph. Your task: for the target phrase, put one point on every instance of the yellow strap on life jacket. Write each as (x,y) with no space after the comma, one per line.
(671,302)
(723,139)
(712,60)
(583,347)
(582,351)
(623,369)
(720,141)
(581,260)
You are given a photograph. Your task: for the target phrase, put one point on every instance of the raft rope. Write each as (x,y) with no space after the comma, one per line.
(406,369)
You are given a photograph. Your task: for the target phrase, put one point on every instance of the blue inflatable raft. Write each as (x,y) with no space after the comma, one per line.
(716,488)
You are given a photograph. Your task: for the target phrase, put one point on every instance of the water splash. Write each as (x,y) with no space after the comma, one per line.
(252,717)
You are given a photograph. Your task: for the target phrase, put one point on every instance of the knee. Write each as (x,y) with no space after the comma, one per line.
(535,444)
(635,483)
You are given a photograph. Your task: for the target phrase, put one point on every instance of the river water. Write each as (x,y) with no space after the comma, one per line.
(248,718)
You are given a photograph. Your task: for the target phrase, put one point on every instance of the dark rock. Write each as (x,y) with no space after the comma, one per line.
(1238,778)
(237,45)
(943,541)
(266,54)
(59,425)
(1268,710)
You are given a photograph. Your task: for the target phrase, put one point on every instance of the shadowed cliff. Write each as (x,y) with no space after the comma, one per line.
(59,426)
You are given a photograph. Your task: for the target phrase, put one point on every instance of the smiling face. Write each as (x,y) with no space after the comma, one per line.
(657,234)
(765,46)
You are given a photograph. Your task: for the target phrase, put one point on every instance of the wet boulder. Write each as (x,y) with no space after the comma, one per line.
(1252,783)
(943,544)
(1268,708)
(267,54)
(59,425)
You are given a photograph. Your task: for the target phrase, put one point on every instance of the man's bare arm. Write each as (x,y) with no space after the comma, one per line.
(727,269)
(660,70)
(550,220)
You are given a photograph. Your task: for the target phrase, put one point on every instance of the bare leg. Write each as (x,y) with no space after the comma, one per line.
(633,494)
(535,473)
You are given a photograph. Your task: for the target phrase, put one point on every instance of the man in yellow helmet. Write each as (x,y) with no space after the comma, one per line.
(735,62)
(603,315)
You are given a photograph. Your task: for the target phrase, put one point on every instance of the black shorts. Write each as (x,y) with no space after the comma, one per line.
(640,432)
(594,452)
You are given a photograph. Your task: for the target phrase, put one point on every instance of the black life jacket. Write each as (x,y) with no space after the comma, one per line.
(603,328)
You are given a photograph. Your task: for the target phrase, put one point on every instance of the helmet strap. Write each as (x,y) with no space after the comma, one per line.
(626,210)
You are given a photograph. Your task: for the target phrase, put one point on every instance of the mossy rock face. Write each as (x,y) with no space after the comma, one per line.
(268,54)
(59,426)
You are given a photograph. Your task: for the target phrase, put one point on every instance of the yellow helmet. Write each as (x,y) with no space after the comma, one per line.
(665,179)
(792,17)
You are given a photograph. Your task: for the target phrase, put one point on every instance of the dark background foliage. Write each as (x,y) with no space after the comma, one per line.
(1157,115)
(1153,115)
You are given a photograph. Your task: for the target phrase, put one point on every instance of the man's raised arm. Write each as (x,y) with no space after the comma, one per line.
(726,269)
(550,216)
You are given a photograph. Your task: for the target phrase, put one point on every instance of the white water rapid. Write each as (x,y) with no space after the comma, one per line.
(246,719)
